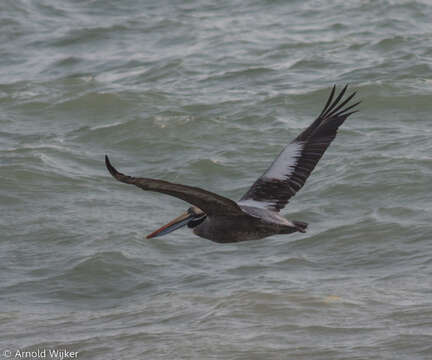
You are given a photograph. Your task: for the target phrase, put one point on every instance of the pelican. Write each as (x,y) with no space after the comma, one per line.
(256,214)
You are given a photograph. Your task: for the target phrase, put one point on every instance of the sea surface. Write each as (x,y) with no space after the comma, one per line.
(207,93)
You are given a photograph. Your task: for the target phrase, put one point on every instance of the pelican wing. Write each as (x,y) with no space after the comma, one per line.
(210,203)
(290,170)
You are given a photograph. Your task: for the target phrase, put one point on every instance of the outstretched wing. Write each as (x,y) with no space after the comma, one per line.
(292,167)
(210,203)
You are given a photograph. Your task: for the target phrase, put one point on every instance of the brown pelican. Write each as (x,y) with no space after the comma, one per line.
(256,215)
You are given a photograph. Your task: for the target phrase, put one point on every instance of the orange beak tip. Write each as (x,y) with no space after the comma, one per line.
(152,235)
(175,224)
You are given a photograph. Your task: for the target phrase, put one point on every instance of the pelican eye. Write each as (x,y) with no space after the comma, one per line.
(196,221)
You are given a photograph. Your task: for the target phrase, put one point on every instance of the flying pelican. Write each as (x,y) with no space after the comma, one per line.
(256,215)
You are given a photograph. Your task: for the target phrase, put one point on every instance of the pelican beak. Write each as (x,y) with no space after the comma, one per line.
(175,224)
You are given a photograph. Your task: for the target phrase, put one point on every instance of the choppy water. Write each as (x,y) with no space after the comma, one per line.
(207,93)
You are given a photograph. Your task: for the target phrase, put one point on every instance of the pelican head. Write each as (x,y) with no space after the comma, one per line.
(192,217)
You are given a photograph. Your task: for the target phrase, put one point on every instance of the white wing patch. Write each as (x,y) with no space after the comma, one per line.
(285,163)
(255,203)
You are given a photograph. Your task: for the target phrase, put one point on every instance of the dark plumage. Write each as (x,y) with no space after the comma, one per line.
(256,215)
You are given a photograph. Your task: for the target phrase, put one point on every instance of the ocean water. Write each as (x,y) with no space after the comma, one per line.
(207,93)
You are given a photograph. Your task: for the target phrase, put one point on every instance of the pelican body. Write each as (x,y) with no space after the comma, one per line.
(256,215)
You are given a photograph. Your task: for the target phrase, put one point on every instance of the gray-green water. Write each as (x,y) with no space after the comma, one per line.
(206,93)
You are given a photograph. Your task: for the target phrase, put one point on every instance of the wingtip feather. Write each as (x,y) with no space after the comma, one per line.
(109,167)
(329,100)
(346,101)
(113,171)
(333,105)
(343,112)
